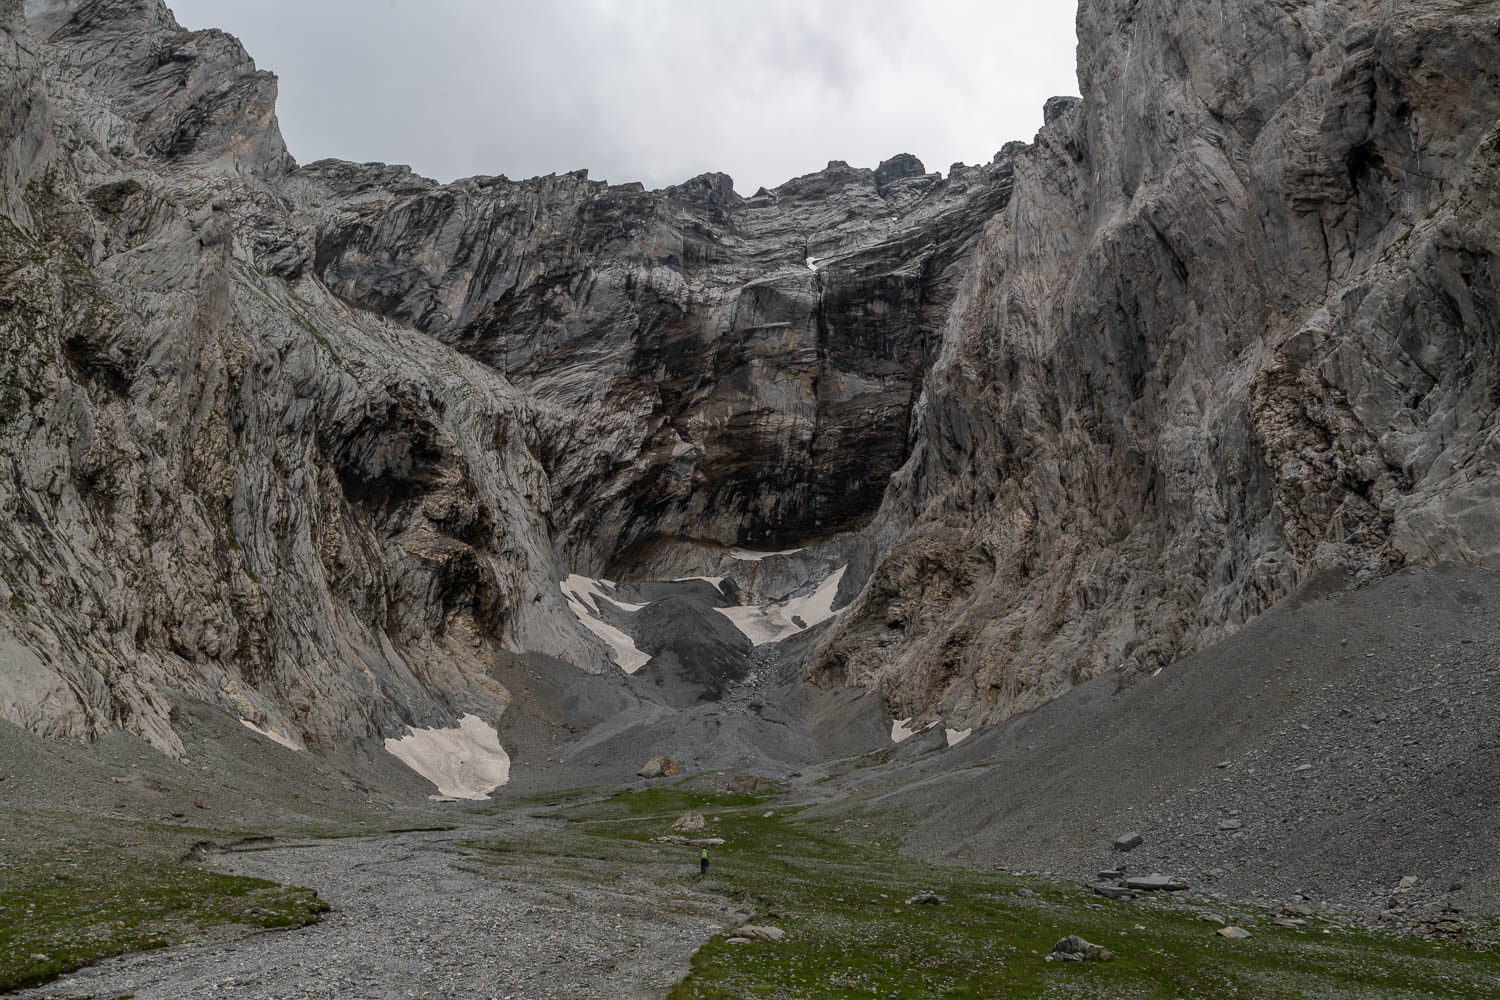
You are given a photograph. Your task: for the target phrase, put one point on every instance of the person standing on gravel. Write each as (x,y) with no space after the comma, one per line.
(703,861)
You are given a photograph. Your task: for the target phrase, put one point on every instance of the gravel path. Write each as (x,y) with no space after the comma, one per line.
(419,915)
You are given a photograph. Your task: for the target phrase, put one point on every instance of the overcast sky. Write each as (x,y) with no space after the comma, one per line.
(653,90)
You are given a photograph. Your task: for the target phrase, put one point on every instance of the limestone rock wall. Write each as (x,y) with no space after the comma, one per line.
(1238,324)
(220,482)
(709,369)
(318,443)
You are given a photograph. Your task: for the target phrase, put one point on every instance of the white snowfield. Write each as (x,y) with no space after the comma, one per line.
(765,623)
(957,735)
(751,555)
(901,730)
(581,588)
(271,734)
(466,762)
(583,596)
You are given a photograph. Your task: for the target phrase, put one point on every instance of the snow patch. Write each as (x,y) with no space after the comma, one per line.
(765,623)
(750,555)
(271,734)
(466,762)
(957,735)
(717,582)
(901,730)
(580,589)
(812,264)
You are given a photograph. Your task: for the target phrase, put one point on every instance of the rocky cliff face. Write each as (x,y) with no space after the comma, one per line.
(1237,325)
(318,444)
(708,369)
(219,482)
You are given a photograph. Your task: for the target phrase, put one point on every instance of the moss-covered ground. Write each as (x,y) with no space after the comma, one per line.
(75,894)
(837,886)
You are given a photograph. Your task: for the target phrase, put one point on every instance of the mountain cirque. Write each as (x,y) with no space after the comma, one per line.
(319,444)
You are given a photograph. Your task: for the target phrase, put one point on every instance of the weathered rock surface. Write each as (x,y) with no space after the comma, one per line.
(221,483)
(690,821)
(316,444)
(1237,325)
(1075,949)
(658,767)
(707,369)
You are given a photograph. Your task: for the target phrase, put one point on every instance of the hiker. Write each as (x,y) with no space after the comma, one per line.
(703,862)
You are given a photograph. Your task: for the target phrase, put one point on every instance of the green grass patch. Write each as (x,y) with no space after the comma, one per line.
(837,886)
(68,909)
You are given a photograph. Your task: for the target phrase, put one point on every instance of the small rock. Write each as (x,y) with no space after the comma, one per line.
(1115,892)
(928,898)
(744,784)
(1128,842)
(1212,918)
(1232,932)
(1230,824)
(1110,875)
(1156,883)
(1221,765)
(757,933)
(737,940)
(1075,949)
(1297,910)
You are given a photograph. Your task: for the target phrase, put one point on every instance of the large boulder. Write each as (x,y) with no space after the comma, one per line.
(689,821)
(658,767)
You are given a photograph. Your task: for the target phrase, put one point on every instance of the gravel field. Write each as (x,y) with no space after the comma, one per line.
(1344,748)
(420,915)
(1334,747)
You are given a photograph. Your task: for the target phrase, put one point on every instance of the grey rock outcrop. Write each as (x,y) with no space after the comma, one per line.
(316,444)
(1235,328)
(658,767)
(221,484)
(1075,949)
(706,369)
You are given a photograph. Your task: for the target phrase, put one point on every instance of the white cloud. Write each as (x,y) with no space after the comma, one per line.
(653,90)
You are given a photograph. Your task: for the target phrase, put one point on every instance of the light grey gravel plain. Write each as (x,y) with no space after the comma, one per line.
(422,915)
